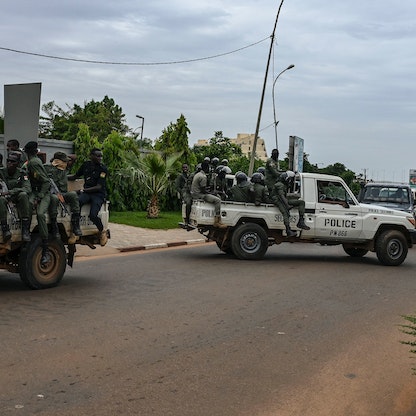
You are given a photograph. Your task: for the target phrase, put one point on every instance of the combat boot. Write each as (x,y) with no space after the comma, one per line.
(218,223)
(45,258)
(25,229)
(289,232)
(76,229)
(301,224)
(7,235)
(103,238)
(55,228)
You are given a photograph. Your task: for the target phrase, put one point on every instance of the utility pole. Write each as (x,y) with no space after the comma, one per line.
(256,134)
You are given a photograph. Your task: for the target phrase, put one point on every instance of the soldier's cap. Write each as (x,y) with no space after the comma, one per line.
(13,157)
(61,156)
(30,146)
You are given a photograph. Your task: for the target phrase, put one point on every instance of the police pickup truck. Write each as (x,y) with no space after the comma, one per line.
(332,212)
(21,257)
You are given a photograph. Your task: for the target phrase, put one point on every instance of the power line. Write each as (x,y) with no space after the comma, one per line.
(41,55)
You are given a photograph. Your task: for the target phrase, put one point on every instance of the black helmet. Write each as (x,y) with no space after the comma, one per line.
(218,169)
(240,177)
(262,170)
(287,176)
(257,177)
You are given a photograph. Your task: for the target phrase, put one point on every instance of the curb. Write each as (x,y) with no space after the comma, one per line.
(161,245)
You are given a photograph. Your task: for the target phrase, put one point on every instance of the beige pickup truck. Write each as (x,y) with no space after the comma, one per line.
(17,256)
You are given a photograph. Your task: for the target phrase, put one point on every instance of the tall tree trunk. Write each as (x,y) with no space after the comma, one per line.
(153,207)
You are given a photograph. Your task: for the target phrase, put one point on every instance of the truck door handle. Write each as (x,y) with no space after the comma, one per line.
(354,214)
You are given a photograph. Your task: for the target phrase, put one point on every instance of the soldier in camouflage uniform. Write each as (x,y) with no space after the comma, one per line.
(260,193)
(40,196)
(57,171)
(272,172)
(199,190)
(16,188)
(242,191)
(284,202)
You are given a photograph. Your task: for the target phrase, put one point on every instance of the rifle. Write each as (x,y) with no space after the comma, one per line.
(55,190)
(5,194)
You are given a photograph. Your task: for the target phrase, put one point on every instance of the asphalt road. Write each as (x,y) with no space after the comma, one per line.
(191,331)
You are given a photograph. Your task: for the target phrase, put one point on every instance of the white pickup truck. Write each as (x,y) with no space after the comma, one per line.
(332,212)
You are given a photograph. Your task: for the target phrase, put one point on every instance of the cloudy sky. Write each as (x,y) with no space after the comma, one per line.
(351,95)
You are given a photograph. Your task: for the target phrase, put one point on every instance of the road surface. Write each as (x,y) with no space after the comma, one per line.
(191,331)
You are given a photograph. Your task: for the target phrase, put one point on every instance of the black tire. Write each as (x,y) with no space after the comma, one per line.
(32,273)
(355,251)
(249,242)
(391,248)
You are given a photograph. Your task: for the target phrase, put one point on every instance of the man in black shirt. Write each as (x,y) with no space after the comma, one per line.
(94,192)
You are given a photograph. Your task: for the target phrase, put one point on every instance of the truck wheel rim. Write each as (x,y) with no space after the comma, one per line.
(250,242)
(395,249)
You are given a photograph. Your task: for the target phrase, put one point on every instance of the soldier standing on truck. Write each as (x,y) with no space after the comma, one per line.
(16,189)
(284,203)
(199,191)
(40,196)
(94,192)
(57,171)
(272,173)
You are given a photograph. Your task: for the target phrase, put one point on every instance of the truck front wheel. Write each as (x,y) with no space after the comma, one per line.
(32,273)
(249,242)
(391,248)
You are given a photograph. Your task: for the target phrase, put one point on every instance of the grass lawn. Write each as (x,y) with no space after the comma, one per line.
(166,220)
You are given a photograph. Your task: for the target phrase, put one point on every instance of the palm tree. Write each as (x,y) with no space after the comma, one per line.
(154,172)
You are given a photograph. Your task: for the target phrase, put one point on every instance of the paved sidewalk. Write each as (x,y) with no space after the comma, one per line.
(125,238)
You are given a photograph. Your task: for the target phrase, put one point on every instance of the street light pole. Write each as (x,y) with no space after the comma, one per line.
(276,122)
(253,151)
(141,133)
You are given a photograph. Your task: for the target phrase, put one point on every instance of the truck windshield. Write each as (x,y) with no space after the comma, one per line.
(392,194)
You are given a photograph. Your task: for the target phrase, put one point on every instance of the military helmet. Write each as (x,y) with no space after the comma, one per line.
(207,159)
(219,168)
(287,176)
(224,162)
(240,177)
(262,170)
(215,161)
(257,177)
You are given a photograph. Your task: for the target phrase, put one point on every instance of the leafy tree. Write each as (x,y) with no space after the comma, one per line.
(144,143)
(115,148)
(102,118)
(154,172)
(339,169)
(83,145)
(242,163)
(219,146)
(174,139)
